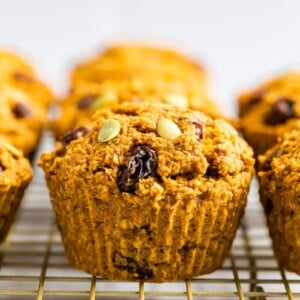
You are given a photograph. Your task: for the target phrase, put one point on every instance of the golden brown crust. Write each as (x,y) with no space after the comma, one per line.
(269,111)
(177,222)
(10,62)
(22,119)
(74,114)
(15,175)
(15,71)
(24,103)
(279,178)
(137,61)
(136,73)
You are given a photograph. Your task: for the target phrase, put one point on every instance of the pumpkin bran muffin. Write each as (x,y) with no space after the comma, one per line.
(149,192)
(279,179)
(269,111)
(10,62)
(16,72)
(127,61)
(24,102)
(15,175)
(22,119)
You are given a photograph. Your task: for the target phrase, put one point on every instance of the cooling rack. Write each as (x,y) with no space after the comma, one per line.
(33,264)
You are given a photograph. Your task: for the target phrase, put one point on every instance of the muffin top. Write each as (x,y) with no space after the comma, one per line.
(283,160)
(270,110)
(78,107)
(14,168)
(153,148)
(280,98)
(10,62)
(21,117)
(136,61)
(16,73)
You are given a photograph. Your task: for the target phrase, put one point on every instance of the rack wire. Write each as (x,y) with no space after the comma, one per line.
(33,264)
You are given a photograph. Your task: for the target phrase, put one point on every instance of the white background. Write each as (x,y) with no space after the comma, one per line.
(240,42)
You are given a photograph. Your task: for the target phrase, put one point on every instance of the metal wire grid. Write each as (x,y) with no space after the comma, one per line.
(33,264)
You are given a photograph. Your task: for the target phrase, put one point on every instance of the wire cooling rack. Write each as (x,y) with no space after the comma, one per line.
(33,264)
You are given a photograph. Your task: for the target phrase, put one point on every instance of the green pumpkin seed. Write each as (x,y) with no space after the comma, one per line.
(109,130)
(103,100)
(167,129)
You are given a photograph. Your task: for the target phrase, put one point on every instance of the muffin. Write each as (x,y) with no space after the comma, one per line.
(149,192)
(78,107)
(127,61)
(279,179)
(269,111)
(16,72)
(21,119)
(24,102)
(15,175)
(29,84)
(10,62)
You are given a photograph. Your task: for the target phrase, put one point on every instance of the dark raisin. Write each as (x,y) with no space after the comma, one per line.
(281,110)
(268,206)
(2,168)
(142,164)
(199,125)
(73,135)
(23,77)
(20,111)
(144,272)
(86,101)
(98,170)
(267,163)
(212,170)
(130,265)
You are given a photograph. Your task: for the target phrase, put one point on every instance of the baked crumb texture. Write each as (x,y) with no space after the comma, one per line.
(279,179)
(133,73)
(15,175)
(269,111)
(149,192)
(24,103)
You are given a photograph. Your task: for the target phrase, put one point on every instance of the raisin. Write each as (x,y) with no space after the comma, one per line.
(130,265)
(73,135)
(2,168)
(23,77)
(20,111)
(267,163)
(280,111)
(86,101)
(212,169)
(142,164)
(199,125)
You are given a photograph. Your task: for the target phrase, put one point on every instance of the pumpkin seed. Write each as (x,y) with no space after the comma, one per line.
(109,130)
(167,129)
